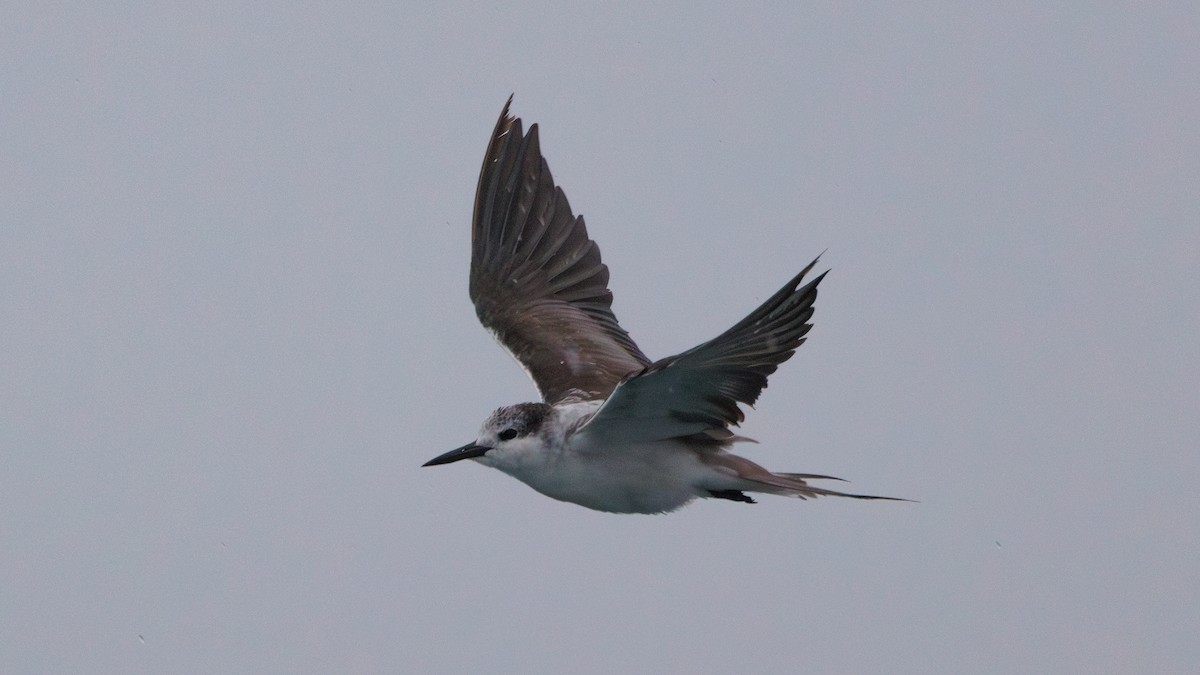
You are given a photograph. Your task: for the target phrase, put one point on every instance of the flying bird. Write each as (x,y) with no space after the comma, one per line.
(614,431)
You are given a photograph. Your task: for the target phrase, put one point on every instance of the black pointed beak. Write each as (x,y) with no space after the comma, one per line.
(465,452)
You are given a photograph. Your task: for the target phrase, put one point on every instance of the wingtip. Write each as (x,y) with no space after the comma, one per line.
(816,260)
(808,268)
(506,121)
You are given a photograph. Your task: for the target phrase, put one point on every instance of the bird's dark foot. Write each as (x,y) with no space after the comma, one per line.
(732,495)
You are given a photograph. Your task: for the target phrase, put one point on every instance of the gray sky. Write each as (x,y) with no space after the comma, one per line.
(234,322)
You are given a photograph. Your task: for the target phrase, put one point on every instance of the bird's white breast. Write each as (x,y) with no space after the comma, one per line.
(647,478)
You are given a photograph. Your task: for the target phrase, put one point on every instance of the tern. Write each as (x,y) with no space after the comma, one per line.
(614,431)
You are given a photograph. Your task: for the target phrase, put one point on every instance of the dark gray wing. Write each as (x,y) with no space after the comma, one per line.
(699,390)
(536,278)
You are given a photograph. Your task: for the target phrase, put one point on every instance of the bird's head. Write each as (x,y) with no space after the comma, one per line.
(507,436)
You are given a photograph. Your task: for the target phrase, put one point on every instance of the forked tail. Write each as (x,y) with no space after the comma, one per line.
(751,477)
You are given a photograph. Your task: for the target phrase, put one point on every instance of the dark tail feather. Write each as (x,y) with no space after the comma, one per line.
(759,479)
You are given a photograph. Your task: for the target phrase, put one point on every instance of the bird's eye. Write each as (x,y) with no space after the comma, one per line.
(508,434)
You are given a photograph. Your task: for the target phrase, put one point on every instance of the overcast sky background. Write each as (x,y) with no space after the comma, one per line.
(234,322)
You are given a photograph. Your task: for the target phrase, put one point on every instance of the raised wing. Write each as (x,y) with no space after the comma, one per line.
(699,390)
(536,278)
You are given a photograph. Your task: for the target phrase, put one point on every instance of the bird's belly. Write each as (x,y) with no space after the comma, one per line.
(632,480)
